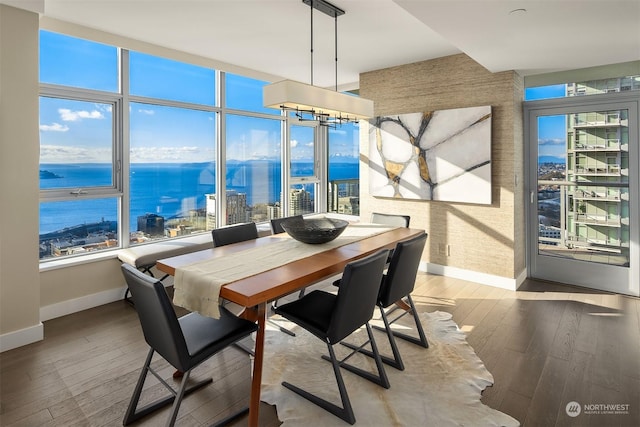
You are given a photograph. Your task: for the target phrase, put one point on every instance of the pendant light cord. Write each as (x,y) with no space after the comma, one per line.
(336,47)
(311,41)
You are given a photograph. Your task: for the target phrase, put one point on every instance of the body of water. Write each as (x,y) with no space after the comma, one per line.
(165,189)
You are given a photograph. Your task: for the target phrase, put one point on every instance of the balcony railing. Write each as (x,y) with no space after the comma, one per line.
(609,145)
(597,170)
(581,194)
(606,244)
(591,219)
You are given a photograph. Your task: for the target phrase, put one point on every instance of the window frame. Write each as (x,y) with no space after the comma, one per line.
(121,102)
(87,95)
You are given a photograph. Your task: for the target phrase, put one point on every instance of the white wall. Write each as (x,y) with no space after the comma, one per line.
(19,152)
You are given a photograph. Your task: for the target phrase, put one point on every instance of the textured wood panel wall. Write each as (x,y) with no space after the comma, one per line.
(483,238)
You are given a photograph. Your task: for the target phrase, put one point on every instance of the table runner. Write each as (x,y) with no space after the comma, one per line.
(197,286)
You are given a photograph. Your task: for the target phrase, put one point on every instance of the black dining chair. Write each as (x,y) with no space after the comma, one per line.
(391,219)
(397,285)
(234,233)
(184,342)
(333,317)
(395,220)
(276,223)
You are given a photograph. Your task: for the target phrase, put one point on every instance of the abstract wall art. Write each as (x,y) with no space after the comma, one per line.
(436,155)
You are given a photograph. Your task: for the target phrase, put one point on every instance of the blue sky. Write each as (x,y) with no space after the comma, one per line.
(80,131)
(552,130)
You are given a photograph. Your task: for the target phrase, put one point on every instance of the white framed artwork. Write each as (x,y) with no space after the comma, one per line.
(435,155)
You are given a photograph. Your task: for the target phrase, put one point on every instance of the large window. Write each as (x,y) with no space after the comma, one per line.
(80,184)
(154,77)
(344,182)
(253,165)
(136,148)
(172,169)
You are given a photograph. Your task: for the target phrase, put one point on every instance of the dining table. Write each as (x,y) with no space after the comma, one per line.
(257,288)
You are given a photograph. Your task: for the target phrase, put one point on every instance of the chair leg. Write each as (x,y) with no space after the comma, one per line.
(178,399)
(134,414)
(127,297)
(381,379)
(244,348)
(422,338)
(346,412)
(282,328)
(396,361)
(231,418)
(130,415)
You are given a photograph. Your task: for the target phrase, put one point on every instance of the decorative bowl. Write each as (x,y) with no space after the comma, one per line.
(314,230)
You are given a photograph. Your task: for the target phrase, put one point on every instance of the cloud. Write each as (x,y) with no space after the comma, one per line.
(73,116)
(293,143)
(184,154)
(55,127)
(309,144)
(551,141)
(147,112)
(74,154)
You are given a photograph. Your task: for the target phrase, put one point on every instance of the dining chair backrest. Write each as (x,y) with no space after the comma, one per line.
(391,219)
(400,278)
(234,233)
(159,322)
(357,295)
(276,223)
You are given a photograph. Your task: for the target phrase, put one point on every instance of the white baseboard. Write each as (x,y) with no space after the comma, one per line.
(63,308)
(474,276)
(36,333)
(21,337)
(521,278)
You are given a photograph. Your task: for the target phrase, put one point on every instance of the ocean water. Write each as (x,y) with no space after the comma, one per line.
(164,189)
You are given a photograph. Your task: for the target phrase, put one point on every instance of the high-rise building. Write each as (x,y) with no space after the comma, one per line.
(348,205)
(300,201)
(237,209)
(151,224)
(597,207)
(344,196)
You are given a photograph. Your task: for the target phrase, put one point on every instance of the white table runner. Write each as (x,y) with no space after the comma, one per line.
(197,286)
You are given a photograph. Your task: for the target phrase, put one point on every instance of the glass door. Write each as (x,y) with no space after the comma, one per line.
(583,193)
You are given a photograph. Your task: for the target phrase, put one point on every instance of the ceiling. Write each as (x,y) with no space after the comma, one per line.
(273,36)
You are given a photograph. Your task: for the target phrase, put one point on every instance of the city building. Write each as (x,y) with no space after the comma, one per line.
(344,196)
(597,207)
(151,224)
(300,201)
(237,209)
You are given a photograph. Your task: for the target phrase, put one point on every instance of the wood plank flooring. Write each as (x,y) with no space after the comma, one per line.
(546,345)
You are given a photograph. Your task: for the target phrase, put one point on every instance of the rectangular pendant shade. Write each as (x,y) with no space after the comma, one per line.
(294,95)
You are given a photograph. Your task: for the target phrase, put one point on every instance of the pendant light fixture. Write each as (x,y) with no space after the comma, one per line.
(327,106)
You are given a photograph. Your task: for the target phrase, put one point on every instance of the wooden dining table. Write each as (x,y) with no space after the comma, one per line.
(256,291)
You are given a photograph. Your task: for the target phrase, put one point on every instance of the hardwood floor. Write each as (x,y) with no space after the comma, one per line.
(546,345)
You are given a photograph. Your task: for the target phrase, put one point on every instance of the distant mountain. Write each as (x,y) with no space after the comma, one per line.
(45,174)
(551,159)
(338,158)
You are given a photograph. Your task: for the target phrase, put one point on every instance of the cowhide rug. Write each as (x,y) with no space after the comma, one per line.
(440,386)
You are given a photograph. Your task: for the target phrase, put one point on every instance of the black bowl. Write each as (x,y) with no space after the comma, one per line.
(314,230)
